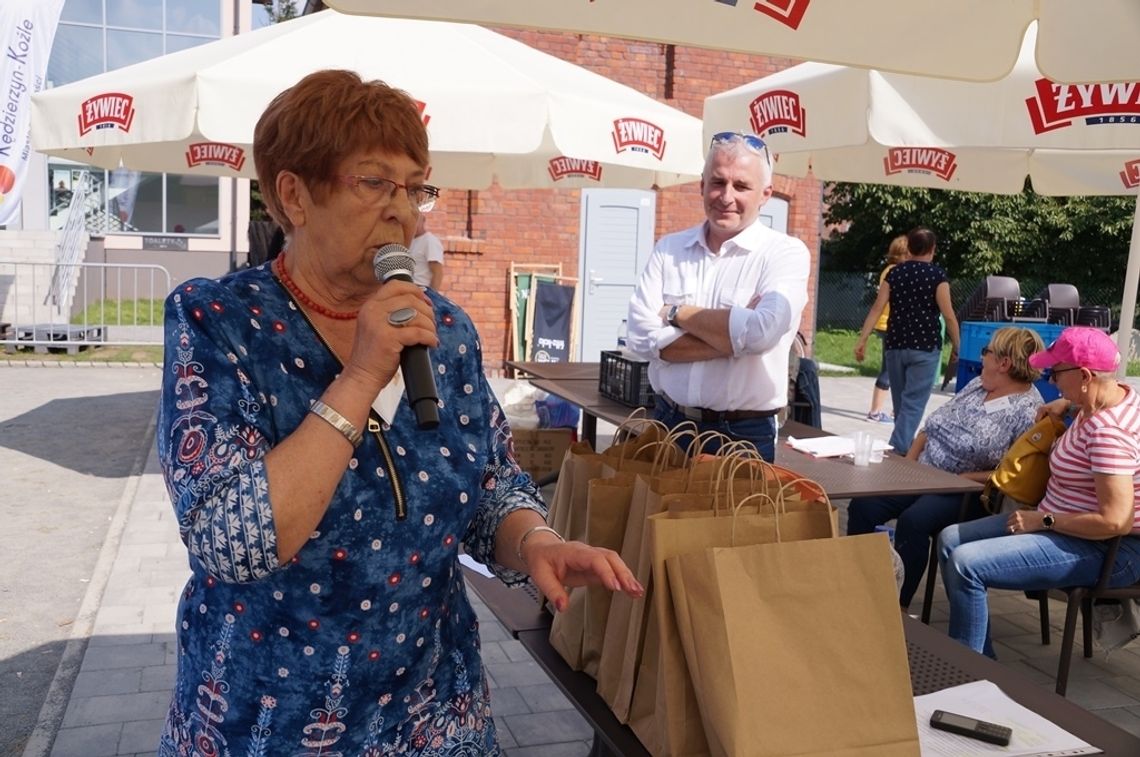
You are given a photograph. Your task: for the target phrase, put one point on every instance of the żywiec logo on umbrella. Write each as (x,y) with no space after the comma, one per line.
(215,154)
(422,107)
(639,135)
(1056,106)
(1131,174)
(788,12)
(562,167)
(777,112)
(929,160)
(109,110)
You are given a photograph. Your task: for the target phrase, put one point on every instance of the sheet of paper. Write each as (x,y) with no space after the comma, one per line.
(1033,735)
(469,562)
(830,446)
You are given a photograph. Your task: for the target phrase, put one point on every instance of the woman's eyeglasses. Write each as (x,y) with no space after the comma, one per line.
(376,190)
(753,142)
(1056,372)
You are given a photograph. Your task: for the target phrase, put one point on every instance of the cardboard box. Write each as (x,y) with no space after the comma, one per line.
(540,451)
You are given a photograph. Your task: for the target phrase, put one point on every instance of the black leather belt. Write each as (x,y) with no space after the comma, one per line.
(704,415)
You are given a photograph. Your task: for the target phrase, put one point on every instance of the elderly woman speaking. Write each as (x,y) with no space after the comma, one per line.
(1091,496)
(327,611)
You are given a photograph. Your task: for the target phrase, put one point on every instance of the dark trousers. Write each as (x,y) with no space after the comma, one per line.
(918,520)
(759,431)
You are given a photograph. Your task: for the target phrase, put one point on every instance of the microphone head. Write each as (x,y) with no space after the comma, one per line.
(393,260)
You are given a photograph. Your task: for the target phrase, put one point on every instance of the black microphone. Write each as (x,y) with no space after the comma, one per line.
(392,261)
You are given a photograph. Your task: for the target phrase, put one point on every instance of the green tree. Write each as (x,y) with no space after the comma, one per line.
(1081,240)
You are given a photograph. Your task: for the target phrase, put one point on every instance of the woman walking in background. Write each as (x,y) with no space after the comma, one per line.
(896,253)
(917,291)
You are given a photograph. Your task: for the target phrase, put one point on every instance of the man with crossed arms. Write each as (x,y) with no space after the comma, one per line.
(718,305)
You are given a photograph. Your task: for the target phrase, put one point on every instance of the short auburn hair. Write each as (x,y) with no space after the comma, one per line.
(319,121)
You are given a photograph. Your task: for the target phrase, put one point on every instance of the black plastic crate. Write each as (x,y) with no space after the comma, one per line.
(625,380)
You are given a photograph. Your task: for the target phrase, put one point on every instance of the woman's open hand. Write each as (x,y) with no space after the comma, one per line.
(555,565)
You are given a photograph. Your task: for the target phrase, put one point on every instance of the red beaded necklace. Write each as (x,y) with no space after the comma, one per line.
(304,299)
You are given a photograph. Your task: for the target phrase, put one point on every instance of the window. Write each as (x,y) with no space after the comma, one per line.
(95,36)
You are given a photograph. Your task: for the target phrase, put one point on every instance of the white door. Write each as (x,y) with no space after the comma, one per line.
(616,230)
(774,213)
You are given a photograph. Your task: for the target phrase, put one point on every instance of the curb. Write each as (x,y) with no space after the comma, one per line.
(73,364)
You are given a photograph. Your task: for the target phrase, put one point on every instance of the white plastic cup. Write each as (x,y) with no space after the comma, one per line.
(863,444)
(876,453)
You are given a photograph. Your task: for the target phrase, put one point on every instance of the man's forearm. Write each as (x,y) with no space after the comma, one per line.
(707,325)
(690,349)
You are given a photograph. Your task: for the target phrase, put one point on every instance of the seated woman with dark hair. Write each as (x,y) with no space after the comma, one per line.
(968,436)
(1090,498)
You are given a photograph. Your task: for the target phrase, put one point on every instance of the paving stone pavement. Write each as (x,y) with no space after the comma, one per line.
(123,686)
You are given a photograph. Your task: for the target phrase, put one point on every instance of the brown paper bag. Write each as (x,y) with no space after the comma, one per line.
(664,712)
(579,465)
(606,510)
(797,648)
(626,624)
(569,516)
(607,514)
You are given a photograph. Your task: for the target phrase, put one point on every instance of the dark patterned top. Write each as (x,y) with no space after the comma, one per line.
(913,323)
(364,643)
(969,434)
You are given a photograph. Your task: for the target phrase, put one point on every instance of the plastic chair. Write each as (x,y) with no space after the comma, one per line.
(1062,302)
(991,291)
(1080,599)
(1097,316)
(1017,310)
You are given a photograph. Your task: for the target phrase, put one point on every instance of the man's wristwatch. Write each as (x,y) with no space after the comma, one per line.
(671,317)
(1048,521)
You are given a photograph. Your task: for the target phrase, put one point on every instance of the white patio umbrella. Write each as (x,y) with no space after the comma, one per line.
(495,109)
(1094,40)
(861,125)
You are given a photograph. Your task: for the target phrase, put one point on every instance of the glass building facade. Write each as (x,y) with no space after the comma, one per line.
(95,36)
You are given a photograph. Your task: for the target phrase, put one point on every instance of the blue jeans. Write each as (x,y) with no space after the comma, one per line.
(912,375)
(759,431)
(982,553)
(919,519)
(883,380)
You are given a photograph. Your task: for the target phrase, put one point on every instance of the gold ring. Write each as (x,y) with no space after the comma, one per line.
(402,317)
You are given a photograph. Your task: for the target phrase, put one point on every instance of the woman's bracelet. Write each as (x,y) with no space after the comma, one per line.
(337,421)
(530,532)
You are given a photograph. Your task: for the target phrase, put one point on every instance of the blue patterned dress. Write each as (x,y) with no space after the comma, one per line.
(364,643)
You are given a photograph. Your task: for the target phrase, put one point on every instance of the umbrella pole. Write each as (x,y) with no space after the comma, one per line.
(1128,304)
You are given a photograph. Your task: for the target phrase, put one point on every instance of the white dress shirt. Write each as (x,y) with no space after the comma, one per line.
(683,271)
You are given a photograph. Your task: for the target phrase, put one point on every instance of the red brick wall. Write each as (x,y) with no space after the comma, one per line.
(484,231)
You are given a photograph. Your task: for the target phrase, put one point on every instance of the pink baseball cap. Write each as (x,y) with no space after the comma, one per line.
(1081,346)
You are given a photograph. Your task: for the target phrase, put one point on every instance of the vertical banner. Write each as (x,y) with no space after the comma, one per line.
(553,310)
(27,28)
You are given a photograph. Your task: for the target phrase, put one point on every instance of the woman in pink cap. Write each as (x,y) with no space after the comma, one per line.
(1091,496)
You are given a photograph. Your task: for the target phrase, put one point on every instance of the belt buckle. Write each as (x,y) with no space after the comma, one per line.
(693,413)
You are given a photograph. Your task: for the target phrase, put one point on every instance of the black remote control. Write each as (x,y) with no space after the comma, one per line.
(962,725)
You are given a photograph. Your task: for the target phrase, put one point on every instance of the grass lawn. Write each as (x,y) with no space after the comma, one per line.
(836,348)
(122,313)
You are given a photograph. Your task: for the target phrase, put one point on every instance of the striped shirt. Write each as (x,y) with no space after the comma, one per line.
(1106,443)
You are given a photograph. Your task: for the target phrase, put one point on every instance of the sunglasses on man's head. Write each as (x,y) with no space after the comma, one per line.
(751,141)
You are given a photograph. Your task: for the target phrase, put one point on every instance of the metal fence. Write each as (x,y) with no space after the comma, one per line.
(104,304)
(844,298)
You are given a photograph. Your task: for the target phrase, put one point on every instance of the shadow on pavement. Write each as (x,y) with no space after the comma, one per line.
(97,436)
